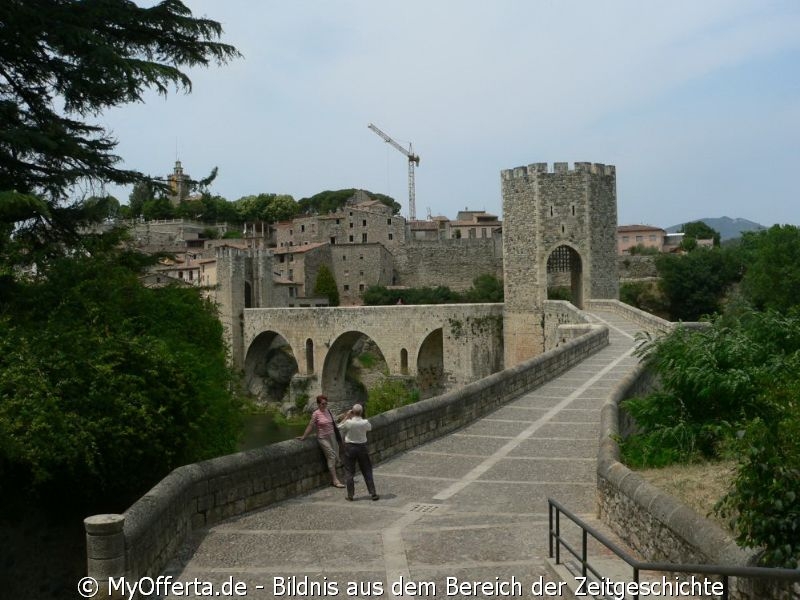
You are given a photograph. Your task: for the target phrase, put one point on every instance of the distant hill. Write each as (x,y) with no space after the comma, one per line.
(728,228)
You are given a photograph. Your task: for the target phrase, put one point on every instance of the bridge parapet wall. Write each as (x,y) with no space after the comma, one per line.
(201,494)
(648,321)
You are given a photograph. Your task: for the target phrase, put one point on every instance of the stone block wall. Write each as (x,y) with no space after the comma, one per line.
(637,267)
(563,322)
(201,494)
(358,266)
(454,263)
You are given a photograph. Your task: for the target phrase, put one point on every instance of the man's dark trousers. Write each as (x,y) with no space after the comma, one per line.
(357,453)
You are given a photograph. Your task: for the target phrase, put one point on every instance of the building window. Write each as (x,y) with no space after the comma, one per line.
(639,238)
(363,238)
(389,221)
(344,256)
(346,287)
(361,257)
(573,210)
(351,224)
(363,222)
(551,211)
(337,221)
(333,241)
(391,237)
(361,273)
(180,274)
(291,232)
(302,227)
(351,239)
(291,258)
(625,239)
(291,274)
(351,213)
(360,287)
(291,292)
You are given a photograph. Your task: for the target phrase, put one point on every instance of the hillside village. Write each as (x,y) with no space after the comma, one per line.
(363,244)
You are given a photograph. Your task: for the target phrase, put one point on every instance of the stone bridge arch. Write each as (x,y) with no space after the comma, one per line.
(452,344)
(270,365)
(430,364)
(338,359)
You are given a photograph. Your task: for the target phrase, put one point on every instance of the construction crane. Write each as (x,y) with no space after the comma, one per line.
(413,159)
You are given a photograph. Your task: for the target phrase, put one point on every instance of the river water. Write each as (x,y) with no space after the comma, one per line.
(262,429)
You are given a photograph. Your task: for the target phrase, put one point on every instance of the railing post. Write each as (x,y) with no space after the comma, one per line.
(550,527)
(558,536)
(105,555)
(636,581)
(584,550)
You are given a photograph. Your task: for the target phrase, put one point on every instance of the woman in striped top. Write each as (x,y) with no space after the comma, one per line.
(322,421)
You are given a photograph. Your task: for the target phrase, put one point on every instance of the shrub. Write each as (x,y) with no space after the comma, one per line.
(390,394)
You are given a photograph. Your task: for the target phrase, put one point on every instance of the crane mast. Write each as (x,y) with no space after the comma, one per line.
(413,159)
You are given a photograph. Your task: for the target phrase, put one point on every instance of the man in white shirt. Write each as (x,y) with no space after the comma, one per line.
(355,429)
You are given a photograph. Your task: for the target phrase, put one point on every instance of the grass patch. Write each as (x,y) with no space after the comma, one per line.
(700,486)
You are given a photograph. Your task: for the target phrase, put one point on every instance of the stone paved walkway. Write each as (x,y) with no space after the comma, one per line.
(471,505)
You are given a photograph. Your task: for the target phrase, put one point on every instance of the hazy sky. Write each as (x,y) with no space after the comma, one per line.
(696,103)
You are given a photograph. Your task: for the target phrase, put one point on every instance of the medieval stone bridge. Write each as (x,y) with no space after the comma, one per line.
(439,346)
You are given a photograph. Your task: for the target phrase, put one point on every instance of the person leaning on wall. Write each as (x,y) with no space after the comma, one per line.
(322,420)
(355,429)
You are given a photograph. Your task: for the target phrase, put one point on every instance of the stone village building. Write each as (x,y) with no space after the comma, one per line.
(363,244)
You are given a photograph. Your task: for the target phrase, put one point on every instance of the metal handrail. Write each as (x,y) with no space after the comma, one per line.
(556,542)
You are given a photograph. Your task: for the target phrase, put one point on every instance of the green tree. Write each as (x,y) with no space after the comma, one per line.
(772,272)
(694,284)
(158,208)
(53,78)
(485,288)
(142,192)
(106,385)
(697,230)
(281,208)
(325,286)
(714,382)
(330,201)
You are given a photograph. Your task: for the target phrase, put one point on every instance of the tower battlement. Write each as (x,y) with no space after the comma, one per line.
(558,167)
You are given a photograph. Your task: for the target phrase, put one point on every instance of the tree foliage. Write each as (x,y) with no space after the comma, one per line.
(271,208)
(694,284)
(772,275)
(485,288)
(732,388)
(325,286)
(331,201)
(106,385)
(100,55)
(697,230)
